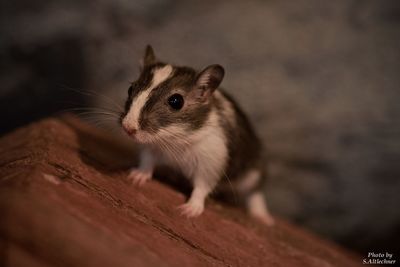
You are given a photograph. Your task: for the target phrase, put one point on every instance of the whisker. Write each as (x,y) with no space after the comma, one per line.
(91,109)
(105,98)
(234,192)
(98,113)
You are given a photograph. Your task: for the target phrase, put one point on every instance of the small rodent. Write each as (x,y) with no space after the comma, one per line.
(183,119)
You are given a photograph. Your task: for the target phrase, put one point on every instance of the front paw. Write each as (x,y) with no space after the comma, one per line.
(191,209)
(139,177)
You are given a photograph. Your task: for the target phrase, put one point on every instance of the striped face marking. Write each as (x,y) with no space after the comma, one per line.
(131,120)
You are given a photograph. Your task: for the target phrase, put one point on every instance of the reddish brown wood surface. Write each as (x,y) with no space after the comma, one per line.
(64,201)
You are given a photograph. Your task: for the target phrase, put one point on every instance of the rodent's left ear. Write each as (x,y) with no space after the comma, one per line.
(209,79)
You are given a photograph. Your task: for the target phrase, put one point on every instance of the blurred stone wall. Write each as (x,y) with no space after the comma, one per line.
(319,79)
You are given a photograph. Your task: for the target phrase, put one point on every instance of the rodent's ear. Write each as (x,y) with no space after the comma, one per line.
(149,57)
(208,80)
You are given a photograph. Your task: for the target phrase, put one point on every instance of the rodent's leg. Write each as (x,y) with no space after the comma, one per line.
(144,171)
(257,207)
(195,205)
(250,187)
(206,168)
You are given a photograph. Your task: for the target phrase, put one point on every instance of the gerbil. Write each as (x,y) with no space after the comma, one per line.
(182,118)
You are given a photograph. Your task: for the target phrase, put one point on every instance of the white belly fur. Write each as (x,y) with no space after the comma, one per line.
(203,153)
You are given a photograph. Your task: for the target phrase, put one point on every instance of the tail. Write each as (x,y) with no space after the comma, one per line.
(257,207)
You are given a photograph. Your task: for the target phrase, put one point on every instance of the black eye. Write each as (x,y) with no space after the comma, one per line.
(176,101)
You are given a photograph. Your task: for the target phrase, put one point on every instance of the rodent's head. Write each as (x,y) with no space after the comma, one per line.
(168,101)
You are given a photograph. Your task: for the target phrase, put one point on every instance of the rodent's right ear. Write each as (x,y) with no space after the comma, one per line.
(208,80)
(149,57)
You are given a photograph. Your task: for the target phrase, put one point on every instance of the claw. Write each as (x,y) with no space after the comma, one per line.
(139,177)
(191,210)
(266,219)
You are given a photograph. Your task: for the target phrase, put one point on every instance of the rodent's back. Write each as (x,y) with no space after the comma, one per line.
(244,146)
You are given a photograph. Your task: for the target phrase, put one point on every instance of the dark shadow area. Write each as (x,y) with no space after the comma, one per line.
(106,154)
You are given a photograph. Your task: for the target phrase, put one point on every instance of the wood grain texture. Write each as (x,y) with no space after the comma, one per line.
(64,201)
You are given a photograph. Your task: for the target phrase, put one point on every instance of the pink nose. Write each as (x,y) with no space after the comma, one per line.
(130,131)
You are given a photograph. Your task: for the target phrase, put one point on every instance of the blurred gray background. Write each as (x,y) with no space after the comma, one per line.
(319,80)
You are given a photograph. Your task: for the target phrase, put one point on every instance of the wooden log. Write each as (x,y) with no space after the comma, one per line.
(64,201)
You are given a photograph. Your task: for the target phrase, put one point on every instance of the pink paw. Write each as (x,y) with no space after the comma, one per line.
(191,209)
(139,177)
(266,219)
